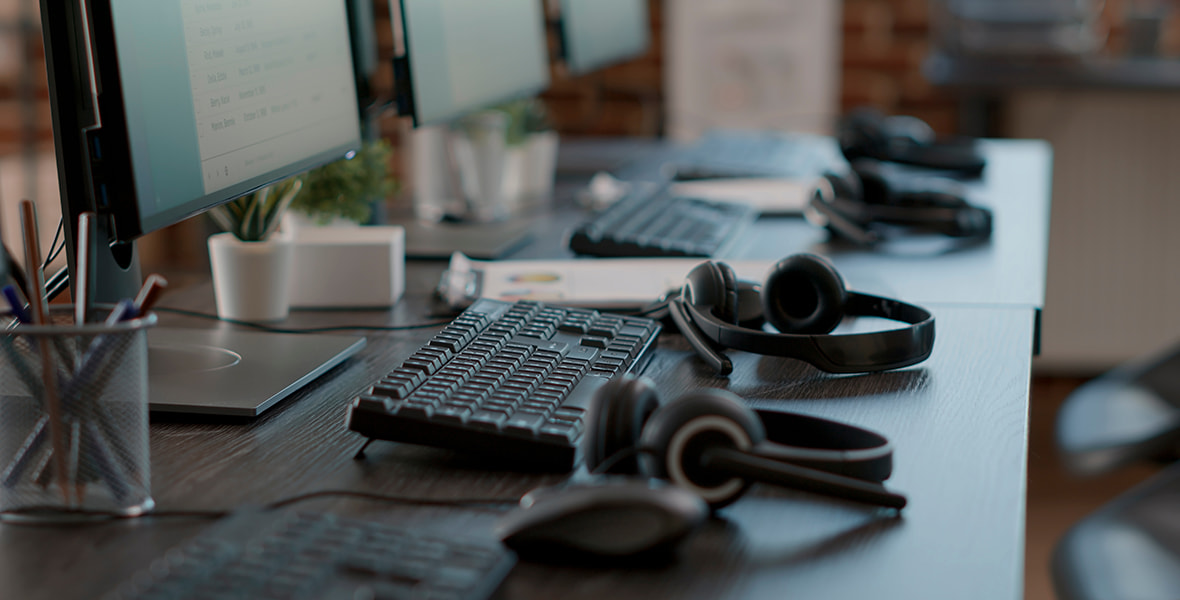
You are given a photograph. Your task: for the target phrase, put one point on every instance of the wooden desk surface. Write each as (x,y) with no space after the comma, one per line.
(958,422)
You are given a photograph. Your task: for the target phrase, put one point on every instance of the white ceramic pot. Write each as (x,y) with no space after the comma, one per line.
(251,280)
(540,167)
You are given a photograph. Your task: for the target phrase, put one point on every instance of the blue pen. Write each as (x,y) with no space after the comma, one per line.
(16,304)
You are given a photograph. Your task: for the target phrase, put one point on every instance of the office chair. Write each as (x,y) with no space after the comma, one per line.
(1129,548)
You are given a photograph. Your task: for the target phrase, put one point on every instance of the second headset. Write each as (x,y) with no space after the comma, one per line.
(804,298)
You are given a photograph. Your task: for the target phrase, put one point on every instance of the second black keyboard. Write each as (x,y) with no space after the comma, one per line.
(506,380)
(283,555)
(646,223)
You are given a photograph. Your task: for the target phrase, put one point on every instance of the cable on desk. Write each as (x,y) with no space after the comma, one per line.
(101,515)
(419,501)
(619,456)
(33,512)
(272,329)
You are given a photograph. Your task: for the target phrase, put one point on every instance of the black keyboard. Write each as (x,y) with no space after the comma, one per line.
(506,380)
(643,223)
(261,554)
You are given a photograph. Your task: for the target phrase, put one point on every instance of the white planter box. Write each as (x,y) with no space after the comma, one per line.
(348,266)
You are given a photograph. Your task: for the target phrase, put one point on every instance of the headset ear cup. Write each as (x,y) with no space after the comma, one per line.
(728,311)
(615,421)
(678,432)
(704,288)
(804,294)
(749,304)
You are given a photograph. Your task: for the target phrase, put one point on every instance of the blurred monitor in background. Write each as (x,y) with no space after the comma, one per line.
(1019,28)
(459,56)
(597,33)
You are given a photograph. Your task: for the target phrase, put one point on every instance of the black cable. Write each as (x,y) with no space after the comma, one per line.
(54,248)
(272,329)
(56,284)
(609,462)
(50,513)
(417,501)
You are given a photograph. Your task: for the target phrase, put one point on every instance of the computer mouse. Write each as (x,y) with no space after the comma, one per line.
(603,518)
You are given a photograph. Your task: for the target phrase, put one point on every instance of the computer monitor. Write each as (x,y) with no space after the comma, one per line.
(366,64)
(598,33)
(459,56)
(163,109)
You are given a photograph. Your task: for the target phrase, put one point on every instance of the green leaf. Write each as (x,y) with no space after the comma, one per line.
(348,188)
(254,217)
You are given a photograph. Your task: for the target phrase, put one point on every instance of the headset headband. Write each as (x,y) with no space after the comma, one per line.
(835,353)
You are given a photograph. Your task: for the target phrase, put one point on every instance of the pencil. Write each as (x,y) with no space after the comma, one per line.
(149,294)
(40,308)
(82,268)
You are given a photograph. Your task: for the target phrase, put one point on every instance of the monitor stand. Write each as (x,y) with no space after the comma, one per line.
(215,372)
(230,373)
(486,241)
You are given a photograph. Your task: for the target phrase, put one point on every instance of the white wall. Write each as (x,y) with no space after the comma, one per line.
(1114,247)
(14,173)
(752,64)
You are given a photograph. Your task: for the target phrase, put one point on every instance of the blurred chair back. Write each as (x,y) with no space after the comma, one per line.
(1129,548)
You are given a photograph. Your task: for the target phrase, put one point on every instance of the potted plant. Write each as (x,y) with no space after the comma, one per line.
(251,258)
(532,154)
(346,190)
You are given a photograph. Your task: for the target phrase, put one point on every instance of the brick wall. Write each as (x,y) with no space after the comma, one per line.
(884,44)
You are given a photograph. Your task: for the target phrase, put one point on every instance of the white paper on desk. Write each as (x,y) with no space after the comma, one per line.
(600,283)
(770,195)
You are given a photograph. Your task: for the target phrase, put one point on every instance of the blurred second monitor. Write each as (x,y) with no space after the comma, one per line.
(598,33)
(460,56)
(454,58)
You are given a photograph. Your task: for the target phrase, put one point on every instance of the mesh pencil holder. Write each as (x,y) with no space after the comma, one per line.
(73,418)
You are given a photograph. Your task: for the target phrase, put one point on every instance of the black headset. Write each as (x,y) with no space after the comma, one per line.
(804,298)
(712,444)
(871,204)
(867,133)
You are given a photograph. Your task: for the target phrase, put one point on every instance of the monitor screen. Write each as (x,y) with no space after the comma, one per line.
(598,33)
(217,98)
(464,55)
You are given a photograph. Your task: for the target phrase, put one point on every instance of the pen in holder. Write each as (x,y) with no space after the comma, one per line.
(99,409)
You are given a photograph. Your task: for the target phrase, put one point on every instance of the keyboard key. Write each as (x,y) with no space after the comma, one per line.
(593,341)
